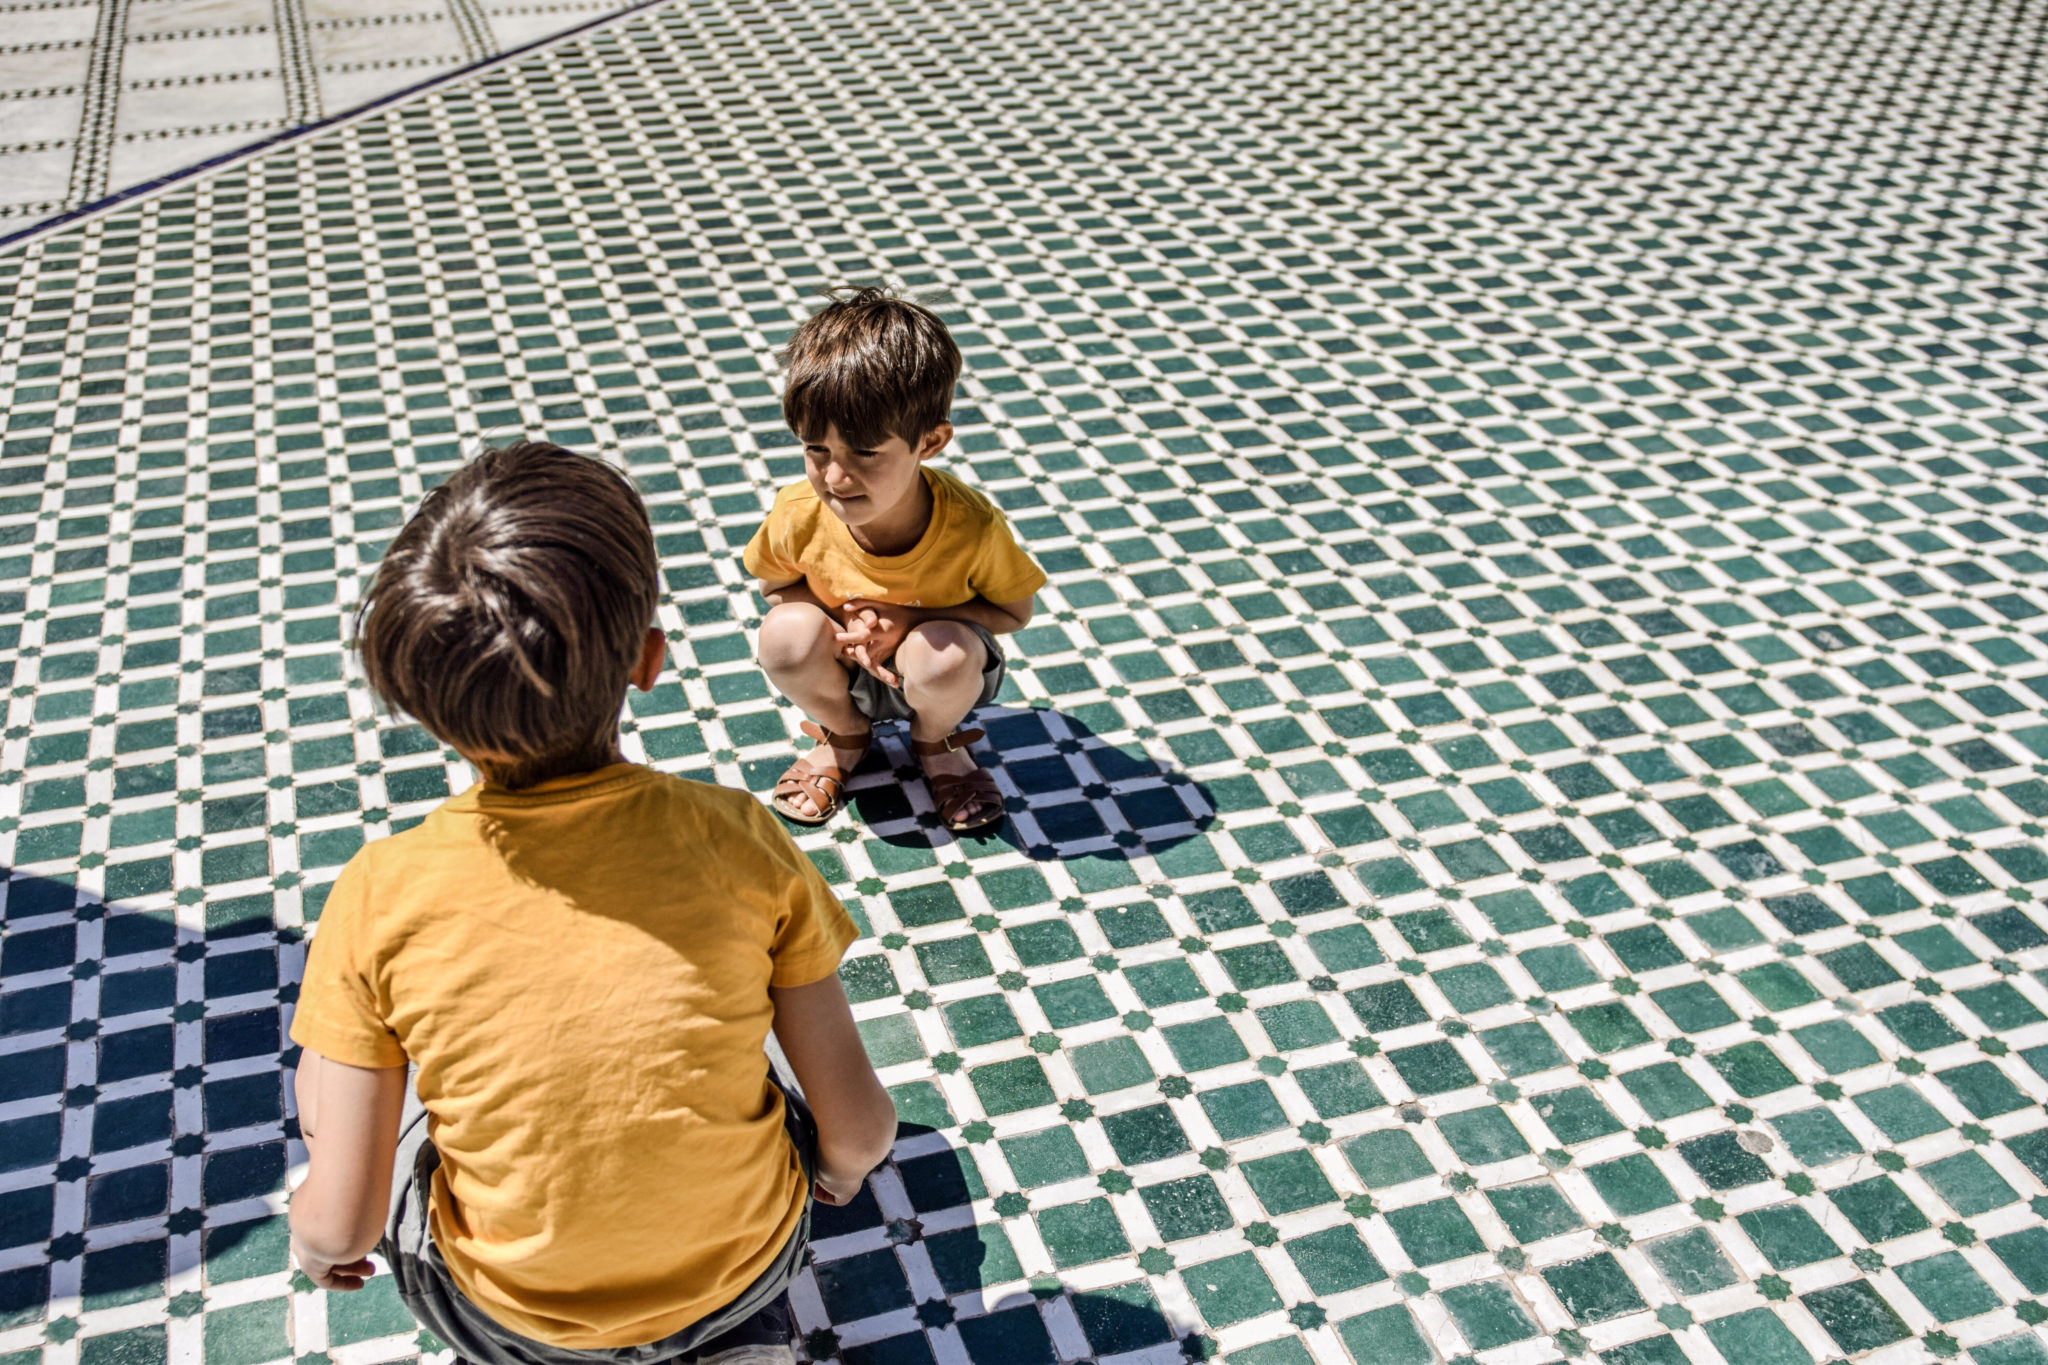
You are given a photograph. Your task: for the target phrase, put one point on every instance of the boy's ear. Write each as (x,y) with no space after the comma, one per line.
(934,441)
(653,654)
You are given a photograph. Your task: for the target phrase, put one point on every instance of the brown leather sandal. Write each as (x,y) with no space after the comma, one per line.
(800,780)
(953,793)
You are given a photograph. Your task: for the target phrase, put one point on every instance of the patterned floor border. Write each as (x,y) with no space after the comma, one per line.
(1528,782)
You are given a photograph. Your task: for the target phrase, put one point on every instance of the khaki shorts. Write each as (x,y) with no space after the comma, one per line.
(877,700)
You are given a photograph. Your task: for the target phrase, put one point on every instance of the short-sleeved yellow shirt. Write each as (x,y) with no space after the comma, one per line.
(580,970)
(968,551)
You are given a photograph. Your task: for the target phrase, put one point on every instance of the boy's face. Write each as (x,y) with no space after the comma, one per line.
(871,485)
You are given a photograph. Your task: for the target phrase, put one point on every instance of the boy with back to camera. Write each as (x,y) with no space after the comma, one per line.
(887,581)
(582,959)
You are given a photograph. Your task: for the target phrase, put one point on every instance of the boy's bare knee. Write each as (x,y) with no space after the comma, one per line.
(793,634)
(942,651)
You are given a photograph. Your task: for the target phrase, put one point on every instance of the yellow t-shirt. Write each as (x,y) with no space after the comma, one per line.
(967,552)
(580,970)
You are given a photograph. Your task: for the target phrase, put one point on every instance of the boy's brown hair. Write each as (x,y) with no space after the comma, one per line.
(510,611)
(871,364)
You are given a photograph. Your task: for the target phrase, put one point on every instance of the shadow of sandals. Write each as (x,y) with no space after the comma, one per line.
(1069,793)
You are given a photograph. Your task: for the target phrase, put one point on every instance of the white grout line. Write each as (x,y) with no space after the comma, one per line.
(137,194)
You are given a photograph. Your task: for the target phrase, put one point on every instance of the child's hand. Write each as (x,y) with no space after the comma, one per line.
(837,1190)
(852,634)
(341,1278)
(853,641)
(873,632)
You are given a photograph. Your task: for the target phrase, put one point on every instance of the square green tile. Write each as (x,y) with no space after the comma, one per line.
(1110,1065)
(1387,1157)
(1691,1262)
(1181,1209)
(1204,1044)
(1334,1260)
(1788,1236)
(1757,1335)
(1078,1234)
(1242,1111)
(1483,1135)
(1632,1184)
(1434,1232)
(1045,1157)
(1385,1336)
(1487,1314)
(1288,1182)
(1594,1288)
(1230,1289)
(1948,1288)
(1534,1211)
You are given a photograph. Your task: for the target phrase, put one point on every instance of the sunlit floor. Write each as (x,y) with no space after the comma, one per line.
(99,96)
(1527,782)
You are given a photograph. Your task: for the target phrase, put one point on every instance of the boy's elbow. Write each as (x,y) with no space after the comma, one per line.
(336,1236)
(864,1143)
(879,1129)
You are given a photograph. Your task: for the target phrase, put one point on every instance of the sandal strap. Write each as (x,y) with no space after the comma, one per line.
(824,736)
(799,781)
(955,793)
(959,739)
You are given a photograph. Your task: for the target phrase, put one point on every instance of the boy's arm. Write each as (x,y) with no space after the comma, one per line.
(348,1117)
(855,1116)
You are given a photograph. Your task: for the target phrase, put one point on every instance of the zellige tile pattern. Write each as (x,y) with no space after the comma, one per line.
(1528,780)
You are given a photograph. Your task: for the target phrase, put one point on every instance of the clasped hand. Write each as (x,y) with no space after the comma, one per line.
(343,1278)
(871,634)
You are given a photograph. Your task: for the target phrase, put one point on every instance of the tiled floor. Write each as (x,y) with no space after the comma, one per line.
(1529,776)
(100,95)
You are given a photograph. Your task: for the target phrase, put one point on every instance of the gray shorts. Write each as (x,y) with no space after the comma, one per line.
(877,700)
(423,1281)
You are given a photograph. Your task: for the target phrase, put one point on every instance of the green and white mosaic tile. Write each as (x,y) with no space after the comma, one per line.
(1527,782)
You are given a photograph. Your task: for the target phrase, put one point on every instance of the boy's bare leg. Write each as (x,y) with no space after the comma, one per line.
(941,663)
(799,651)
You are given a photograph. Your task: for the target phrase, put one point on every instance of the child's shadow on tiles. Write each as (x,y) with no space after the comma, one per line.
(968,1259)
(44,918)
(1070,793)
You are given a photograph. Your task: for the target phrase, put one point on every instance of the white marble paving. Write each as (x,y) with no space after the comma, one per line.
(97,96)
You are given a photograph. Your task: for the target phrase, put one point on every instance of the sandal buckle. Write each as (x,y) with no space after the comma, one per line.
(960,739)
